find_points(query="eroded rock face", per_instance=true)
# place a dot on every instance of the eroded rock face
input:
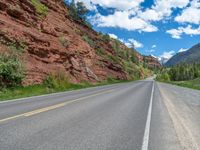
(53, 42)
(152, 62)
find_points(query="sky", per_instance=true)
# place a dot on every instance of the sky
(160, 28)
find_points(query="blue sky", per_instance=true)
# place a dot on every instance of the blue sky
(156, 27)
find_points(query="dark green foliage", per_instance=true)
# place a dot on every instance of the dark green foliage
(163, 77)
(11, 70)
(134, 58)
(182, 72)
(81, 9)
(78, 11)
(105, 37)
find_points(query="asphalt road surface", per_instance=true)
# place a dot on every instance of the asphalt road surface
(141, 115)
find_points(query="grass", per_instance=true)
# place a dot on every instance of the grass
(193, 84)
(35, 90)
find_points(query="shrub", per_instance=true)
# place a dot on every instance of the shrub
(40, 8)
(11, 70)
(78, 11)
(100, 51)
(57, 81)
(64, 41)
(106, 38)
(116, 46)
(114, 59)
(163, 77)
(87, 39)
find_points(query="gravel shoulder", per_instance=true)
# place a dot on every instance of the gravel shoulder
(183, 105)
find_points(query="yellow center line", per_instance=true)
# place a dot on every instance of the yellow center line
(31, 113)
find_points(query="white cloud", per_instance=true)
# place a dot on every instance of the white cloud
(182, 50)
(150, 15)
(113, 36)
(122, 19)
(166, 56)
(176, 33)
(151, 50)
(190, 14)
(162, 9)
(133, 42)
(117, 4)
(154, 46)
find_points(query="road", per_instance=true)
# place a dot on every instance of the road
(141, 115)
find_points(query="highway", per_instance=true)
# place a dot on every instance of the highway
(140, 115)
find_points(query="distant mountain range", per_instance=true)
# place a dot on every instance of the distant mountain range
(189, 56)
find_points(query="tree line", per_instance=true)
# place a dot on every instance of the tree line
(180, 72)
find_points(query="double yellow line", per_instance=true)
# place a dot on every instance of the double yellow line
(31, 113)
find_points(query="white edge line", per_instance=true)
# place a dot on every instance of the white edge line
(145, 143)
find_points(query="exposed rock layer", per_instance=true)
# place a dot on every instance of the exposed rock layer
(53, 42)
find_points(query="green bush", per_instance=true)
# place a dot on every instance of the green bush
(163, 77)
(114, 59)
(11, 70)
(57, 81)
(40, 8)
(100, 51)
(87, 39)
(106, 38)
(64, 41)
(78, 11)
(116, 46)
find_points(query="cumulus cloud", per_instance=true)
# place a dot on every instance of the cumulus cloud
(162, 9)
(190, 14)
(113, 36)
(176, 33)
(132, 16)
(122, 19)
(166, 56)
(154, 46)
(133, 42)
(117, 4)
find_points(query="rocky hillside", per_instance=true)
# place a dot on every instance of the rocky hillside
(189, 56)
(48, 40)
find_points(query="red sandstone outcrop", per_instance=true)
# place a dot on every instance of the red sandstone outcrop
(53, 42)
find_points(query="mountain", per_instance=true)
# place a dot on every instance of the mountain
(189, 56)
(49, 40)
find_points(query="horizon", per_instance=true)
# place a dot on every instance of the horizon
(151, 25)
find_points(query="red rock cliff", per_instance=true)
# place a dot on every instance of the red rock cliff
(53, 42)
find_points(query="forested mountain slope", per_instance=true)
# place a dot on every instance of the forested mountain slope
(190, 56)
